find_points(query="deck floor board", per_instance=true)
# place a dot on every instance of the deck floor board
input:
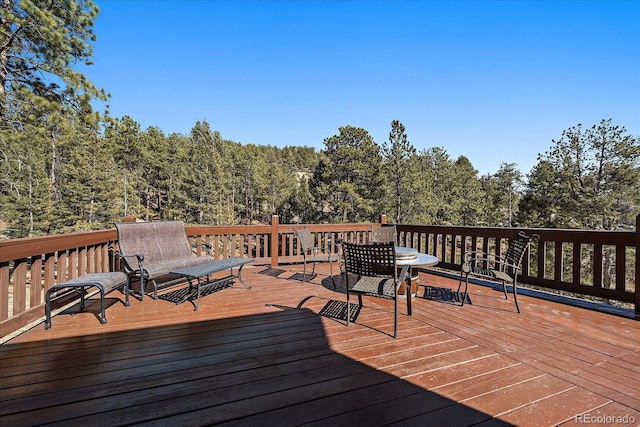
(280, 353)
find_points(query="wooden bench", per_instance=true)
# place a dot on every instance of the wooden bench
(159, 252)
(105, 282)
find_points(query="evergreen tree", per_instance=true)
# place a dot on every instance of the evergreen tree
(123, 139)
(397, 154)
(299, 206)
(507, 185)
(442, 172)
(201, 183)
(88, 184)
(175, 171)
(156, 173)
(467, 191)
(420, 185)
(538, 205)
(40, 43)
(24, 185)
(588, 179)
(349, 186)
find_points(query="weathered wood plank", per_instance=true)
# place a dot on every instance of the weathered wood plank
(266, 356)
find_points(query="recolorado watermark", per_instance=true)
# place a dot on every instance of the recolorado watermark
(605, 419)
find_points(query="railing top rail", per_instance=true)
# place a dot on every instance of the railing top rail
(605, 237)
(22, 248)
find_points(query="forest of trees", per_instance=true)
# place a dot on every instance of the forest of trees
(64, 166)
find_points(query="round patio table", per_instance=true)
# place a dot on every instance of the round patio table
(413, 258)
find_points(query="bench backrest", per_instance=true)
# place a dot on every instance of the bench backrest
(157, 241)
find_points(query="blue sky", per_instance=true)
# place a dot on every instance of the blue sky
(493, 81)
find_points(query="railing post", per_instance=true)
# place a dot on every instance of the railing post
(383, 219)
(275, 220)
(636, 289)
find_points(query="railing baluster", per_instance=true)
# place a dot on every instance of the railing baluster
(35, 287)
(4, 290)
(597, 265)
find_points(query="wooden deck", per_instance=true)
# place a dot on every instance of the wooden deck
(280, 354)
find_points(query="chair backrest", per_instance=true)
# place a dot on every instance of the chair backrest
(371, 259)
(384, 234)
(517, 247)
(159, 242)
(306, 239)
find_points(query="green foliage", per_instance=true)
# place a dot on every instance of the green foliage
(24, 185)
(504, 189)
(299, 206)
(397, 154)
(71, 177)
(41, 42)
(467, 190)
(588, 179)
(88, 186)
(349, 185)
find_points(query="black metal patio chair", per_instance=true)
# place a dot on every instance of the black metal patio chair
(313, 253)
(504, 269)
(374, 266)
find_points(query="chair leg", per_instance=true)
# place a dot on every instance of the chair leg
(304, 271)
(103, 320)
(82, 298)
(460, 282)
(47, 309)
(331, 273)
(395, 315)
(142, 286)
(348, 307)
(466, 288)
(504, 289)
(515, 296)
(126, 292)
(408, 292)
(155, 289)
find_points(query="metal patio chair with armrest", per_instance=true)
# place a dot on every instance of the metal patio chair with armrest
(384, 234)
(506, 268)
(375, 267)
(314, 254)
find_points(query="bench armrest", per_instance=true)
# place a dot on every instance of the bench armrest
(127, 265)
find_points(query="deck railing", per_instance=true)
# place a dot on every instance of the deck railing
(603, 264)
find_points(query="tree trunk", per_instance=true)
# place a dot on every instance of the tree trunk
(5, 29)
(54, 164)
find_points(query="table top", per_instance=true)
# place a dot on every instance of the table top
(410, 256)
(207, 268)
